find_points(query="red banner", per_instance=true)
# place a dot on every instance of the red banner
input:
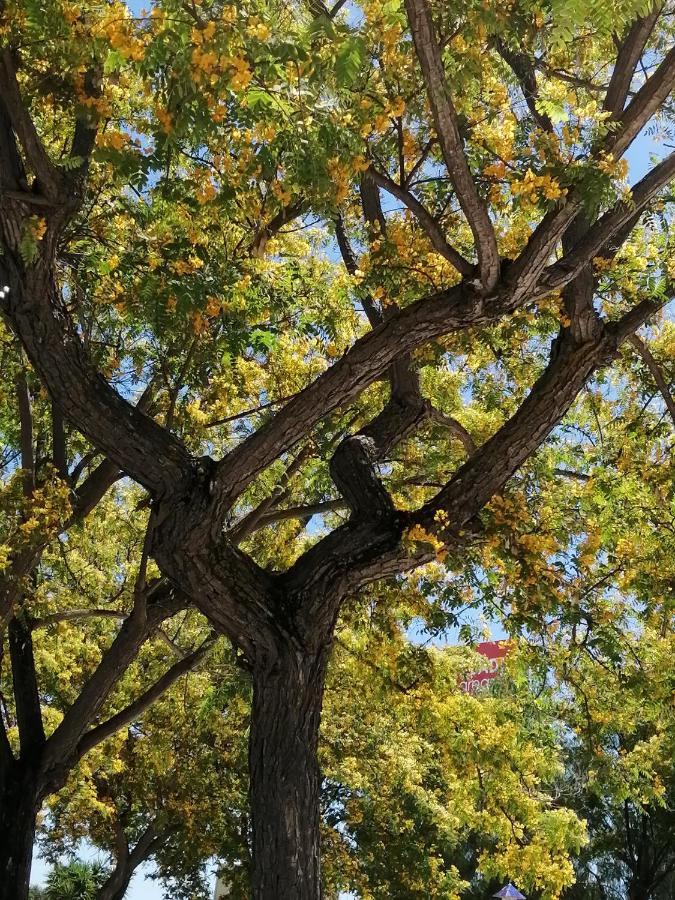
(494, 653)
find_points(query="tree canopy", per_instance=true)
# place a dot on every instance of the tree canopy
(357, 304)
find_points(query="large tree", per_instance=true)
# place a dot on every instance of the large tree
(149, 167)
(425, 788)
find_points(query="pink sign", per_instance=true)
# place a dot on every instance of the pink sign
(494, 653)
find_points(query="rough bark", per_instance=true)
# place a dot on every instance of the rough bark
(19, 805)
(285, 779)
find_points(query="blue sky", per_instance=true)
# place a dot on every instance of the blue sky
(142, 887)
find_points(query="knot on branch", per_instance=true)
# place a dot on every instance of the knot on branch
(352, 468)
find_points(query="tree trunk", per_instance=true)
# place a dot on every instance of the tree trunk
(19, 806)
(641, 888)
(116, 886)
(285, 779)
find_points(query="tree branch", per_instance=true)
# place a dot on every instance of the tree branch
(69, 615)
(162, 602)
(522, 67)
(627, 59)
(250, 522)
(135, 709)
(12, 172)
(525, 271)
(126, 861)
(26, 695)
(373, 314)
(302, 512)
(601, 233)
(426, 220)
(285, 215)
(92, 489)
(26, 432)
(455, 428)
(642, 107)
(655, 371)
(359, 552)
(84, 135)
(488, 470)
(23, 126)
(135, 442)
(59, 451)
(445, 120)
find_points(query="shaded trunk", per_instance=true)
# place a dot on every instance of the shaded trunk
(116, 886)
(643, 885)
(285, 778)
(19, 805)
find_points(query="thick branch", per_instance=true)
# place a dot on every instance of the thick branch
(445, 120)
(632, 320)
(84, 135)
(451, 310)
(26, 431)
(372, 207)
(250, 522)
(70, 615)
(627, 59)
(162, 602)
(302, 512)
(523, 68)
(456, 308)
(454, 427)
(285, 215)
(135, 442)
(25, 130)
(26, 695)
(12, 172)
(525, 271)
(578, 294)
(373, 314)
(360, 552)
(642, 107)
(608, 225)
(353, 465)
(126, 862)
(92, 489)
(488, 470)
(59, 451)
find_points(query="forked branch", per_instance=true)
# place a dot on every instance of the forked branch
(445, 120)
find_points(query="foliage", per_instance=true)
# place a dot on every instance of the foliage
(377, 388)
(75, 880)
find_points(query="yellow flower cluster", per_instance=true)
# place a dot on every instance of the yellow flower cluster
(339, 175)
(282, 194)
(205, 192)
(241, 78)
(615, 168)
(419, 535)
(258, 30)
(112, 138)
(117, 27)
(533, 187)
